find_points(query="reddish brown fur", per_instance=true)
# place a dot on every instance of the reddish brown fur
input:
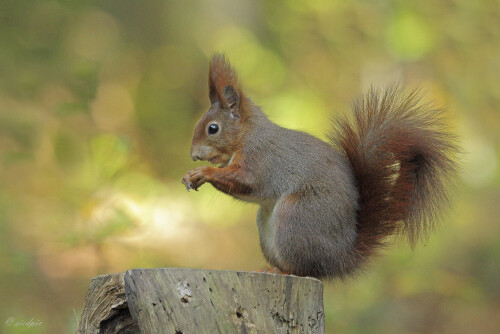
(229, 180)
(220, 75)
(388, 129)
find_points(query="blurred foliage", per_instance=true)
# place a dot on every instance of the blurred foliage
(98, 100)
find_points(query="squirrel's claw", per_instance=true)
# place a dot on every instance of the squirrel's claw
(187, 184)
(193, 179)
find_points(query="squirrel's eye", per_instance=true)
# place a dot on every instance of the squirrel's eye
(213, 129)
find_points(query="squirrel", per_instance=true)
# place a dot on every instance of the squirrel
(327, 208)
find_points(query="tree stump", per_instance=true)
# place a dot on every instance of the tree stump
(185, 301)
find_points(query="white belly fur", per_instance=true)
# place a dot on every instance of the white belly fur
(267, 230)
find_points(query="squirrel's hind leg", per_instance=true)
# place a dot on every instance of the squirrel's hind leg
(311, 238)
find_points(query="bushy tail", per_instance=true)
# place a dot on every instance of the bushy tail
(402, 158)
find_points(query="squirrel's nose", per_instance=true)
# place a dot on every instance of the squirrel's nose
(197, 152)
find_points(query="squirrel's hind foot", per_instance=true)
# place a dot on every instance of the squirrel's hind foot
(273, 270)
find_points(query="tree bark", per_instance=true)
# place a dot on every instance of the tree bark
(185, 301)
(106, 308)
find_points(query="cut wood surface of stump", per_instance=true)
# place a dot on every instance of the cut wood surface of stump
(185, 301)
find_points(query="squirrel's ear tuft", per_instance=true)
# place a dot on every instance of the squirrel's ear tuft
(223, 82)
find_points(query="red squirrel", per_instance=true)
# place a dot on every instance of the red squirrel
(326, 208)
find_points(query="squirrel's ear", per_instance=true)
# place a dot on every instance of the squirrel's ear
(212, 92)
(231, 96)
(223, 82)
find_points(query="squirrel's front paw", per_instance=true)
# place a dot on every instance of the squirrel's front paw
(194, 178)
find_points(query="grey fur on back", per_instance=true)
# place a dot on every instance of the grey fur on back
(316, 235)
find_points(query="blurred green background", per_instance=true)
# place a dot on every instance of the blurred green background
(98, 101)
